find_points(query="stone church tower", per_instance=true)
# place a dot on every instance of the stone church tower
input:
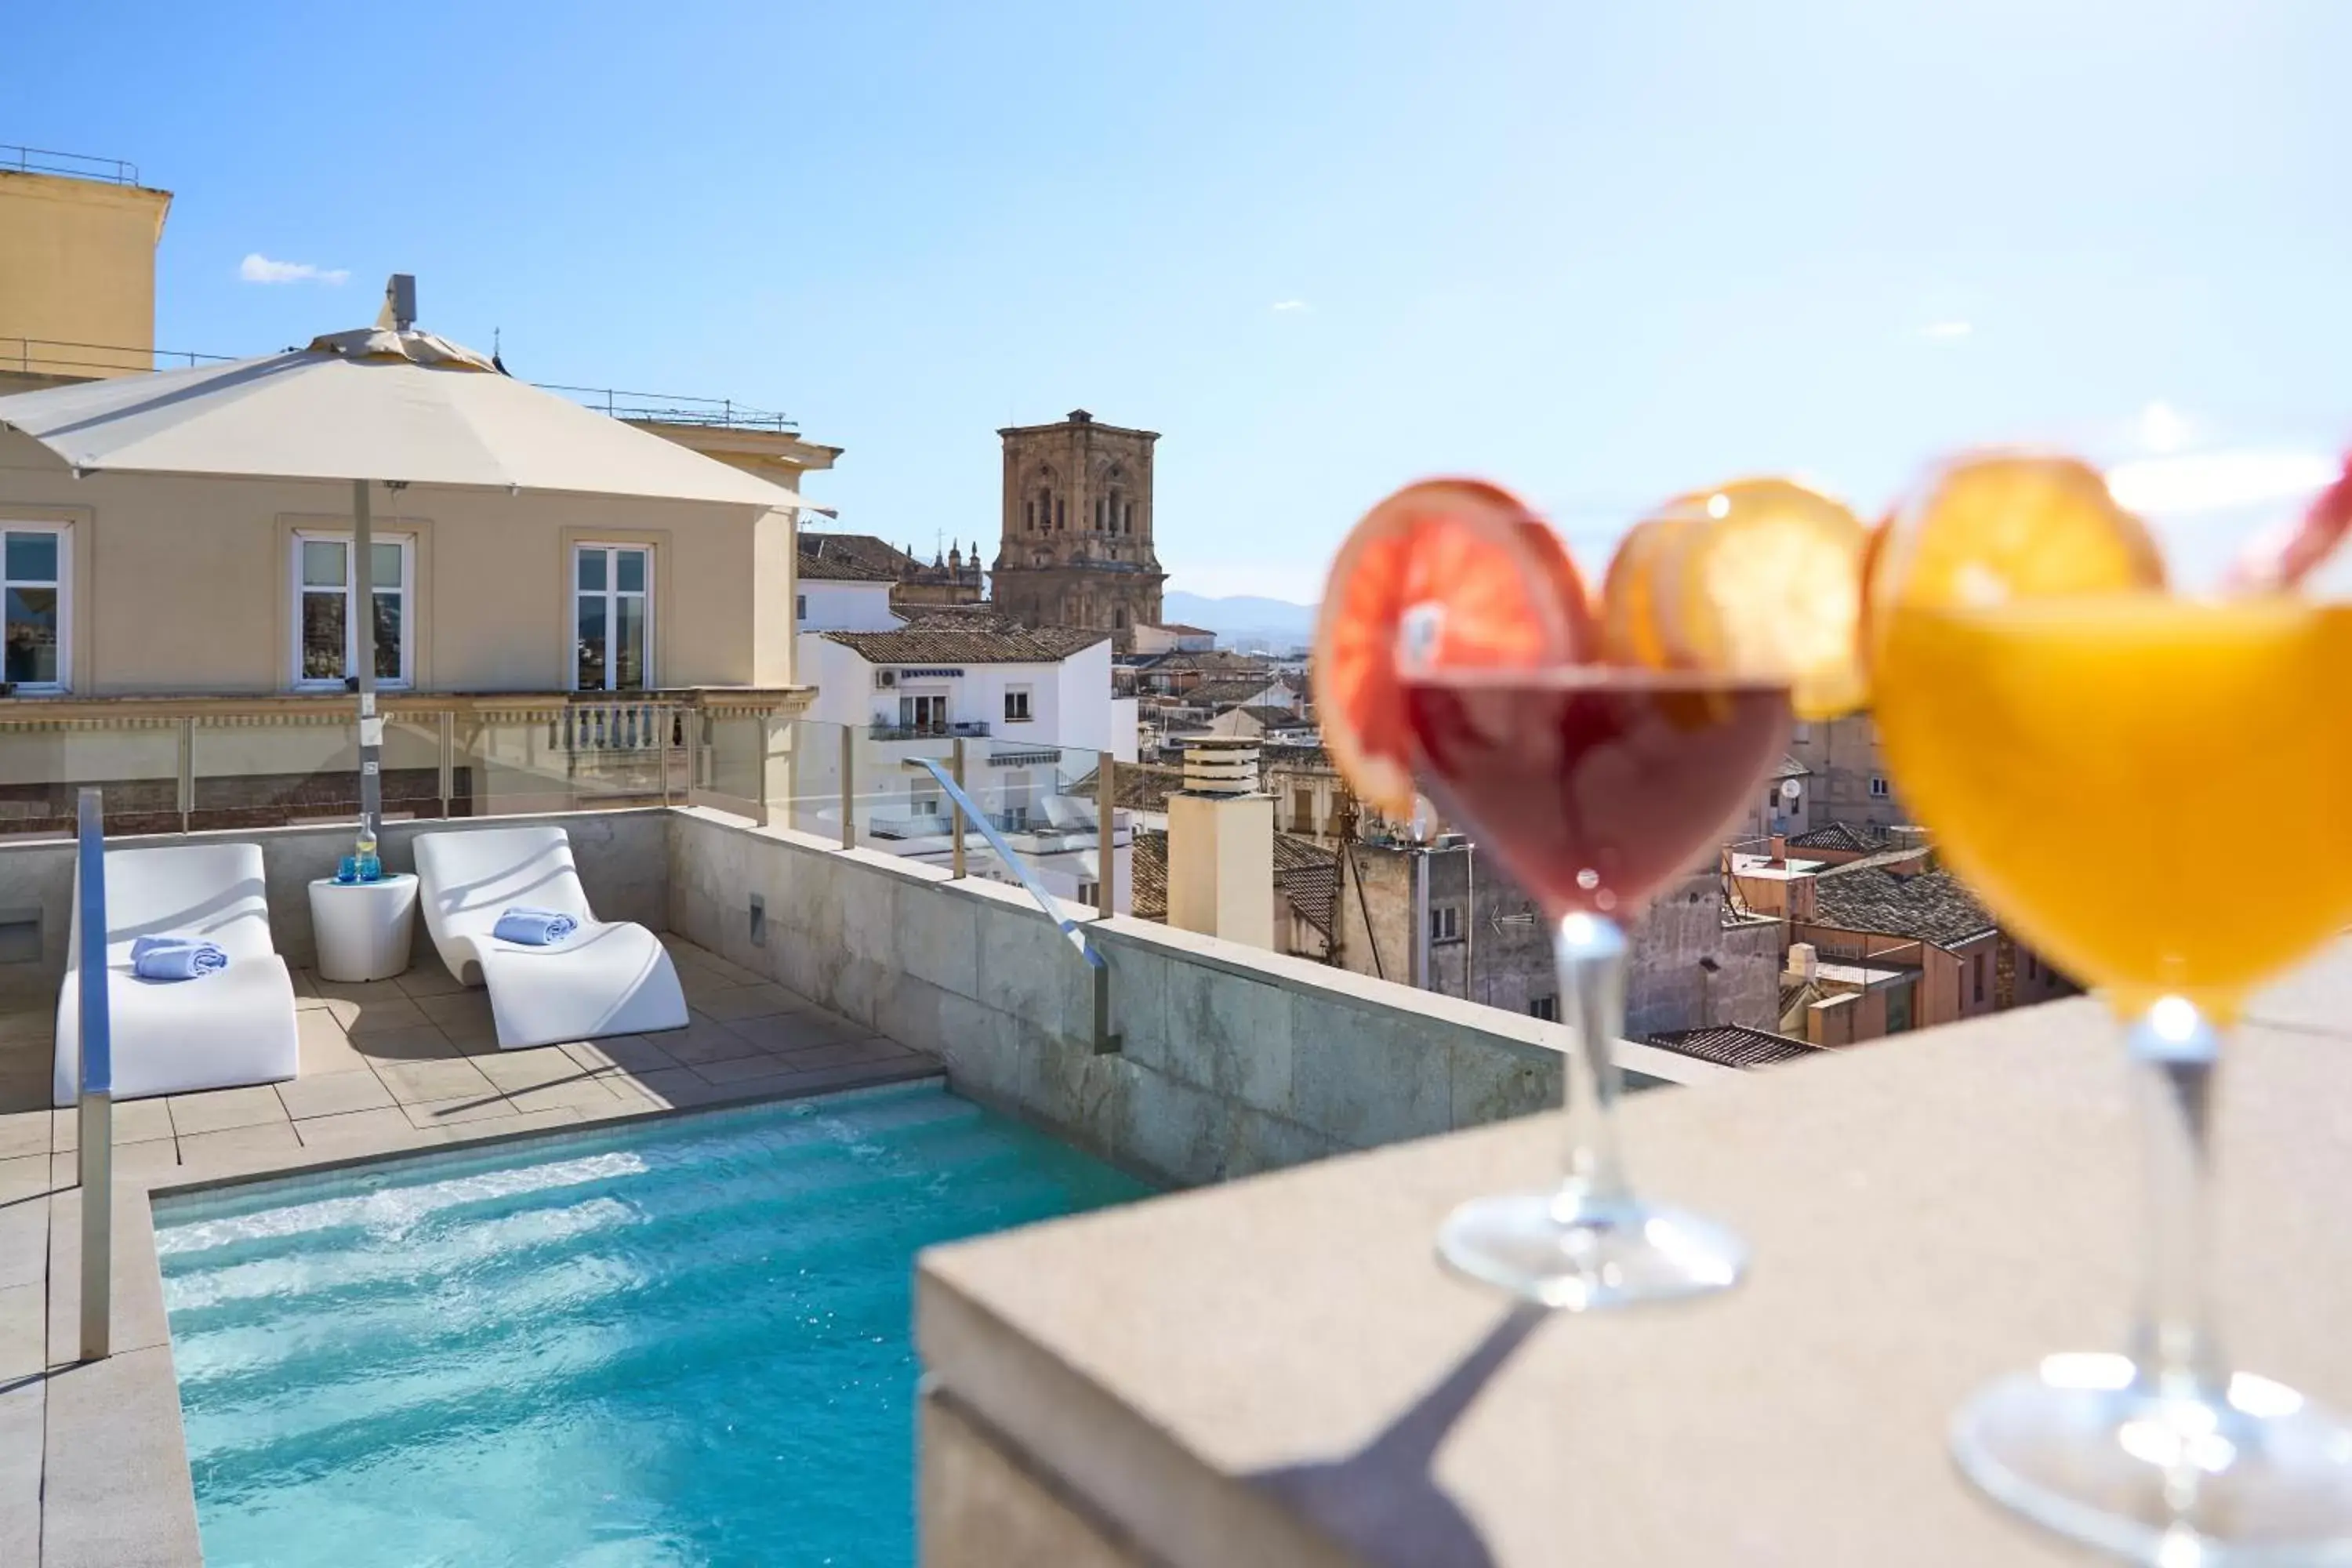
(1077, 550)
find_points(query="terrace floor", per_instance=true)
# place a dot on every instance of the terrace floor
(92, 1467)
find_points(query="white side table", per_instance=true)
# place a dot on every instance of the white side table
(363, 929)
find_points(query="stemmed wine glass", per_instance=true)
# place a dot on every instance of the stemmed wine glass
(2041, 686)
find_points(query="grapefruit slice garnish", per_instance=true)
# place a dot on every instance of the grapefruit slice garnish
(2278, 560)
(1770, 586)
(1997, 527)
(1446, 573)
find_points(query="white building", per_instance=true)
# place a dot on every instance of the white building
(1030, 710)
(841, 595)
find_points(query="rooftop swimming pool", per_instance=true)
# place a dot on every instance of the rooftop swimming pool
(680, 1344)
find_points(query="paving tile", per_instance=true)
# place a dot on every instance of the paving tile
(333, 1094)
(699, 982)
(24, 1332)
(676, 1087)
(628, 1099)
(427, 980)
(736, 1069)
(131, 1161)
(238, 1144)
(135, 1121)
(137, 1318)
(381, 1017)
(570, 1092)
(115, 1484)
(24, 1410)
(324, 1048)
(23, 1132)
(416, 1082)
(529, 1068)
(638, 1053)
(456, 1006)
(710, 962)
(747, 1002)
(366, 993)
(218, 1110)
(793, 1032)
(847, 1054)
(417, 1043)
(25, 1088)
(489, 1106)
(306, 987)
(388, 1127)
(703, 1040)
(23, 1243)
(28, 1176)
(526, 1122)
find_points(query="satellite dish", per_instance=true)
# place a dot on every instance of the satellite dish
(1788, 789)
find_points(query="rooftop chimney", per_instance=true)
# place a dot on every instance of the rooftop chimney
(1804, 960)
(1779, 848)
(1221, 845)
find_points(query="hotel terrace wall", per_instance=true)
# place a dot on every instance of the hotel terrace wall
(186, 585)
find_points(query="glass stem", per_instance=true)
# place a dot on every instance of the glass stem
(2174, 1051)
(1590, 952)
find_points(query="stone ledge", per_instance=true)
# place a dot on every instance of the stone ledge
(1220, 1371)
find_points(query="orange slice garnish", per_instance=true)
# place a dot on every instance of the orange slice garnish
(1630, 632)
(1759, 579)
(1446, 573)
(1997, 527)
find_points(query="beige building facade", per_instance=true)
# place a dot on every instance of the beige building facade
(166, 585)
(76, 276)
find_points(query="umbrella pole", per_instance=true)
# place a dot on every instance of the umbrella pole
(371, 727)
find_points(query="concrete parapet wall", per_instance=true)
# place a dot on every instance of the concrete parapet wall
(1233, 1060)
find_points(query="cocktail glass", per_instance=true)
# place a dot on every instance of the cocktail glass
(1596, 786)
(2023, 733)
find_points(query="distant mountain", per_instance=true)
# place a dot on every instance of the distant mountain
(1244, 619)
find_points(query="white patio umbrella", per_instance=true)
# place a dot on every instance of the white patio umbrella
(384, 405)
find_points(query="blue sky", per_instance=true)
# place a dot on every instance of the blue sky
(1599, 252)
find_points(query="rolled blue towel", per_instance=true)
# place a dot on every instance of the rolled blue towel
(174, 958)
(533, 928)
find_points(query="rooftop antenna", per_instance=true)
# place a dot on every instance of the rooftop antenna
(399, 313)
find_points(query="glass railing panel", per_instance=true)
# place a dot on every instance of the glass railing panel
(44, 762)
(265, 769)
(579, 756)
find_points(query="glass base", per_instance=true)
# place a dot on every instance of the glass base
(1579, 1253)
(2080, 1446)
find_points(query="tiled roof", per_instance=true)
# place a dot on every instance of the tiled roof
(1735, 1045)
(933, 641)
(861, 550)
(1213, 661)
(1273, 718)
(1926, 906)
(1185, 631)
(1308, 875)
(1841, 835)
(1296, 759)
(1142, 786)
(820, 565)
(1146, 868)
(1790, 768)
(1225, 693)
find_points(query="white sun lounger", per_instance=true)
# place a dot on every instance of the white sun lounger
(603, 979)
(218, 1031)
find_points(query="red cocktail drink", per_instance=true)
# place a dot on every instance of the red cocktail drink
(1595, 784)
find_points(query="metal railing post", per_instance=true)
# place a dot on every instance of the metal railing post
(187, 740)
(448, 733)
(956, 814)
(96, 1129)
(1106, 834)
(848, 786)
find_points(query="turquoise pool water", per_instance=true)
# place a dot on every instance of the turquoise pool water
(684, 1345)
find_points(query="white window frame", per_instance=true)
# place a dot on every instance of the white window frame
(1543, 1007)
(612, 594)
(800, 606)
(1028, 707)
(1446, 924)
(1879, 788)
(406, 543)
(63, 533)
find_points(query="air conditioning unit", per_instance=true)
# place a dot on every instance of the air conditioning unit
(885, 678)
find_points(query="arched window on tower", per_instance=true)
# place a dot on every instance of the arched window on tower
(1031, 522)
(1127, 519)
(1099, 514)
(1061, 524)
(1119, 618)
